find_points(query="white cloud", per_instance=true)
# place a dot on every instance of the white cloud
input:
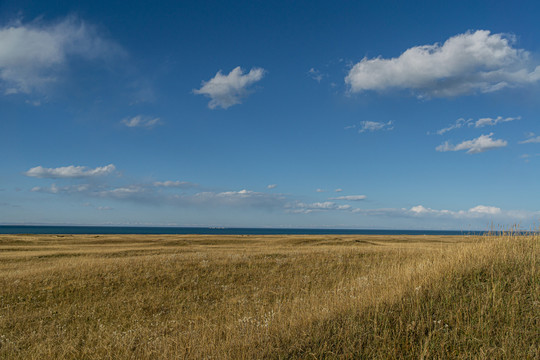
(375, 126)
(53, 189)
(481, 209)
(32, 55)
(458, 124)
(141, 121)
(240, 198)
(271, 186)
(490, 121)
(174, 184)
(124, 192)
(304, 208)
(465, 63)
(461, 122)
(350, 197)
(69, 172)
(320, 190)
(338, 190)
(228, 90)
(531, 139)
(420, 211)
(474, 146)
(152, 194)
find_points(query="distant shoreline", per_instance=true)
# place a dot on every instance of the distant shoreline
(142, 230)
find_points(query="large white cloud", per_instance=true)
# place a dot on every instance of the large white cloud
(474, 146)
(32, 55)
(228, 90)
(69, 171)
(465, 63)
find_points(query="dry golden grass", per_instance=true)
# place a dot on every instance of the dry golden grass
(283, 297)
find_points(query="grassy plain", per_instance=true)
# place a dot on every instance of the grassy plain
(280, 297)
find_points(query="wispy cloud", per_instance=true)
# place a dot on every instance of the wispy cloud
(349, 197)
(494, 121)
(315, 75)
(32, 55)
(527, 157)
(271, 186)
(152, 194)
(459, 123)
(54, 189)
(420, 211)
(464, 64)
(69, 172)
(239, 198)
(228, 90)
(306, 208)
(487, 121)
(174, 184)
(532, 138)
(141, 121)
(375, 126)
(474, 146)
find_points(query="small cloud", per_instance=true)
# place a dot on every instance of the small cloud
(338, 190)
(375, 126)
(481, 209)
(315, 75)
(458, 124)
(228, 90)
(35, 103)
(304, 208)
(320, 190)
(419, 209)
(491, 122)
(174, 184)
(466, 63)
(350, 197)
(481, 212)
(238, 198)
(104, 208)
(474, 146)
(271, 186)
(527, 157)
(531, 139)
(69, 172)
(141, 121)
(461, 122)
(70, 189)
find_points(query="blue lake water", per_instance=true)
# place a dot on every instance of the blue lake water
(15, 229)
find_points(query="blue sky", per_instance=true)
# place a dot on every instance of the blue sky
(390, 115)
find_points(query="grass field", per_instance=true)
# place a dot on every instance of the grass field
(278, 297)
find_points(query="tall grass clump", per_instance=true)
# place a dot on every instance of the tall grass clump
(276, 297)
